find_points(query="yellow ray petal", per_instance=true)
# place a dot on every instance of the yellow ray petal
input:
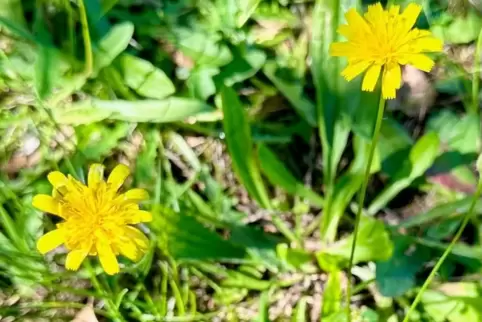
(129, 249)
(118, 176)
(342, 49)
(57, 179)
(50, 240)
(75, 258)
(137, 236)
(391, 80)
(48, 204)
(107, 257)
(355, 69)
(96, 175)
(371, 78)
(426, 44)
(138, 217)
(420, 61)
(136, 195)
(410, 16)
(357, 26)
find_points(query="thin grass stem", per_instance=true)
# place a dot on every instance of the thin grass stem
(361, 198)
(447, 251)
(89, 61)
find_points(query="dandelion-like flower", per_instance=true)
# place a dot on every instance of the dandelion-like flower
(97, 219)
(380, 42)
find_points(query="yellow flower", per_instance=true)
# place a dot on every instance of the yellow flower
(380, 42)
(96, 218)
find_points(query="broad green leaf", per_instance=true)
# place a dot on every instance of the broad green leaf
(293, 91)
(373, 244)
(397, 275)
(450, 209)
(280, 176)
(394, 144)
(144, 78)
(245, 9)
(454, 302)
(204, 49)
(156, 111)
(240, 146)
(345, 188)
(333, 94)
(421, 157)
(332, 294)
(459, 29)
(247, 61)
(11, 10)
(200, 82)
(112, 45)
(183, 237)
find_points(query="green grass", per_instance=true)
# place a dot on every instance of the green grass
(234, 117)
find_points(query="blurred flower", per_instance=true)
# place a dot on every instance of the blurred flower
(380, 42)
(96, 218)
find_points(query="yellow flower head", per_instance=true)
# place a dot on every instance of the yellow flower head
(96, 218)
(384, 40)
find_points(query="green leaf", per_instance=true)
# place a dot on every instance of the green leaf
(112, 45)
(332, 294)
(200, 82)
(299, 315)
(171, 109)
(183, 237)
(245, 9)
(204, 49)
(239, 141)
(454, 302)
(461, 29)
(393, 145)
(263, 315)
(293, 91)
(421, 157)
(280, 176)
(12, 10)
(449, 209)
(241, 280)
(247, 61)
(397, 275)
(373, 244)
(144, 78)
(333, 93)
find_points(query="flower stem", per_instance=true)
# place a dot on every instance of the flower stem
(87, 42)
(447, 251)
(361, 198)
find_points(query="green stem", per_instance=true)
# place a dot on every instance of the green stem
(361, 198)
(476, 75)
(447, 251)
(86, 35)
(109, 303)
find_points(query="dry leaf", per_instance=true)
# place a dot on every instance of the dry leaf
(85, 315)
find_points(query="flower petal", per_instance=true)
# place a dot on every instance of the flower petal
(138, 216)
(129, 249)
(341, 49)
(96, 175)
(355, 69)
(136, 195)
(50, 241)
(420, 61)
(371, 78)
(137, 236)
(391, 80)
(47, 203)
(57, 179)
(410, 16)
(118, 176)
(107, 257)
(75, 258)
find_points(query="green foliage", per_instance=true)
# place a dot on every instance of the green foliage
(252, 146)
